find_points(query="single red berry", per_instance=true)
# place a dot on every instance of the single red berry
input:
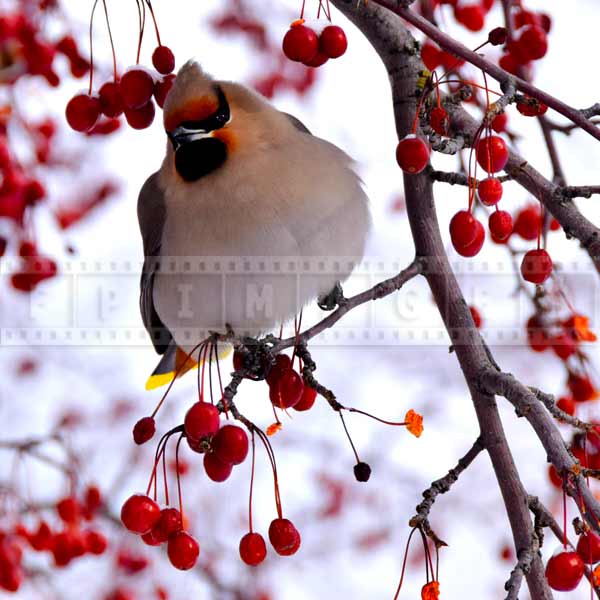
(530, 107)
(253, 549)
(476, 317)
(144, 430)
(34, 191)
(472, 16)
(201, 420)
(412, 154)
(581, 388)
(300, 43)
(136, 87)
(492, 153)
(95, 542)
(439, 120)
(497, 36)
(509, 63)
(536, 266)
(564, 571)
(163, 60)
(537, 336)
(332, 41)
(284, 537)
(309, 395)
(183, 550)
(490, 191)
(151, 539)
(68, 510)
(533, 42)
(564, 346)
(430, 55)
(528, 222)
(42, 539)
(282, 364)
(110, 99)
(463, 228)
(230, 444)
(162, 87)
(168, 523)
(291, 387)
(475, 246)
(27, 248)
(499, 122)
(318, 60)
(216, 469)
(82, 112)
(140, 118)
(140, 513)
(588, 547)
(567, 404)
(500, 224)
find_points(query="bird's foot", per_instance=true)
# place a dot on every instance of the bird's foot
(332, 299)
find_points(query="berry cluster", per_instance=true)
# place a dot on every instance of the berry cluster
(132, 95)
(303, 44)
(69, 542)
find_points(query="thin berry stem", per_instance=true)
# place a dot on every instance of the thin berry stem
(112, 45)
(404, 563)
(154, 21)
(91, 84)
(348, 436)
(251, 482)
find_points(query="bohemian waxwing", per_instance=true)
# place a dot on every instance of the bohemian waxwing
(240, 180)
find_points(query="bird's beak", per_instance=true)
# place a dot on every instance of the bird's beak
(182, 135)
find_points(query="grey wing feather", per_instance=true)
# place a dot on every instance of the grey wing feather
(151, 216)
(297, 123)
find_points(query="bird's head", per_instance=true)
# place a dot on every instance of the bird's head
(196, 114)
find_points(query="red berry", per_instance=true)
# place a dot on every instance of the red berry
(536, 266)
(475, 246)
(216, 469)
(183, 550)
(201, 420)
(68, 510)
(284, 537)
(463, 228)
(471, 16)
(253, 549)
(318, 60)
(564, 571)
(136, 87)
(497, 36)
(499, 122)
(412, 154)
(332, 41)
(430, 55)
(530, 107)
(110, 99)
(564, 346)
(476, 317)
(536, 335)
(162, 87)
(581, 388)
(533, 42)
(492, 153)
(588, 547)
(555, 478)
(528, 222)
(95, 542)
(439, 120)
(151, 539)
(230, 445)
(309, 395)
(140, 118)
(140, 513)
(168, 523)
(500, 225)
(42, 539)
(82, 112)
(163, 60)
(490, 191)
(300, 44)
(282, 364)
(144, 430)
(288, 391)
(567, 404)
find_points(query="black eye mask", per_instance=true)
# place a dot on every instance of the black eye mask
(200, 157)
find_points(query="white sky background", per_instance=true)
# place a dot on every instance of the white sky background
(351, 107)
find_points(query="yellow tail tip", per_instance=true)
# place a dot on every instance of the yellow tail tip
(156, 381)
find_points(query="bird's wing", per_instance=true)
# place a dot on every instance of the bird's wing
(297, 123)
(151, 216)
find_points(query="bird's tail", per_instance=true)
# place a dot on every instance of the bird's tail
(175, 363)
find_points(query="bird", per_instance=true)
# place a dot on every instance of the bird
(241, 181)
